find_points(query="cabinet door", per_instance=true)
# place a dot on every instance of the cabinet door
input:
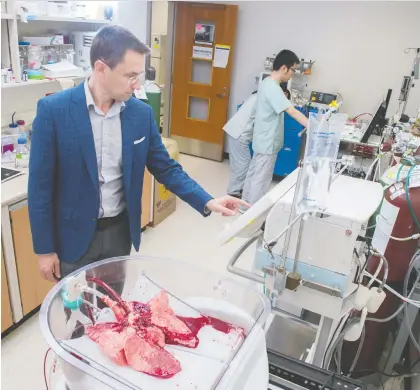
(33, 287)
(6, 310)
(146, 199)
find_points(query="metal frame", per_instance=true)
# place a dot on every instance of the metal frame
(167, 91)
(403, 333)
(326, 324)
(10, 261)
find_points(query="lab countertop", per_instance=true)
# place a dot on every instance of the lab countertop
(15, 189)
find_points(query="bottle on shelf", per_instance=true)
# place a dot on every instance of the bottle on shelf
(22, 153)
(22, 127)
(9, 75)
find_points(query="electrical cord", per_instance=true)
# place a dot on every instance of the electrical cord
(358, 116)
(413, 237)
(340, 325)
(375, 275)
(45, 368)
(383, 262)
(329, 379)
(373, 371)
(330, 351)
(359, 350)
(404, 299)
(415, 364)
(398, 311)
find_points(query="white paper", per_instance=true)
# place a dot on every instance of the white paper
(202, 53)
(384, 225)
(140, 93)
(414, 180)
(221, 56)
(397, 194)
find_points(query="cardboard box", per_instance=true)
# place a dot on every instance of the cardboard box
(164, 201)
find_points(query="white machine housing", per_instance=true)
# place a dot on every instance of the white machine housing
(82, 41)
(326, 261)
(328, 240)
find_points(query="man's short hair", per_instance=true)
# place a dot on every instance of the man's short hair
(286, 58)
(112, 42)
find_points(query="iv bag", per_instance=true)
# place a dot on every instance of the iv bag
(318, 170)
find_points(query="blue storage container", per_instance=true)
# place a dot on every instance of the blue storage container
(288, 157)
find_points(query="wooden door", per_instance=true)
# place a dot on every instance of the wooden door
(204, 37)
(33, 287)
(6, 310)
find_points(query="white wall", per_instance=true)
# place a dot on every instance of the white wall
(133, 15)
(358, 47)
(160, 17)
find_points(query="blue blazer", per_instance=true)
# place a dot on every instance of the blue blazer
(63, 193)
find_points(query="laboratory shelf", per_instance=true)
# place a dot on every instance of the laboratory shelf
(67, 20)
(26, 83)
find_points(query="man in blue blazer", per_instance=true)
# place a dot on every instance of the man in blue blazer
(89, 150)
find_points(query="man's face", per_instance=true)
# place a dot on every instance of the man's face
(288, 73)
(121, 81)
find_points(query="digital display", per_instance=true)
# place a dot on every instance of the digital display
(322, 98)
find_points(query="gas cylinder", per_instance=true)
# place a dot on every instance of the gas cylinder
(395, 219)
(396, 172)
(154, 99)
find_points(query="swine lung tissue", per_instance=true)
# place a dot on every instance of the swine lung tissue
(139, 335)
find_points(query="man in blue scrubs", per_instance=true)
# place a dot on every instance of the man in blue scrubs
(269, 126)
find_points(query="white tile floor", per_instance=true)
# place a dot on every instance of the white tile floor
(185, 235)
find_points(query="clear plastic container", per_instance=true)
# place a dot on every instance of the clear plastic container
(34, 57)
(188, 288)
(22, 153)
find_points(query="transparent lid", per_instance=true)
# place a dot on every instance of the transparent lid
(222, 316)
(250, 222)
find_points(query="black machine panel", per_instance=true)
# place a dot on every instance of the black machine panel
(322, 98)
(287, 373)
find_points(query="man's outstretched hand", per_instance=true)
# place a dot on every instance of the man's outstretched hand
(226, 205)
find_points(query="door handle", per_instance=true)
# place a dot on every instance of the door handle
(223, 94)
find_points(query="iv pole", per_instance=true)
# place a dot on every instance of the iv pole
(408, 80)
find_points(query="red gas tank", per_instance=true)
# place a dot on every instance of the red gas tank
(396, 220)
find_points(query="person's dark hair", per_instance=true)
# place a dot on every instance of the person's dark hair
(112, 42)
(287, 58)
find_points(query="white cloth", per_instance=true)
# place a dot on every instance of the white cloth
(239, 159)
(107, 136)
(242, 123)
(259, 176)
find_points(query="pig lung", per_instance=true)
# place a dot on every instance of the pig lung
(111, 337)
(138, 337)
(175, 330)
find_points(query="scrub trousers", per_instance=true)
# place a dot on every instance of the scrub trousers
(239, 158)
(259, 176)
